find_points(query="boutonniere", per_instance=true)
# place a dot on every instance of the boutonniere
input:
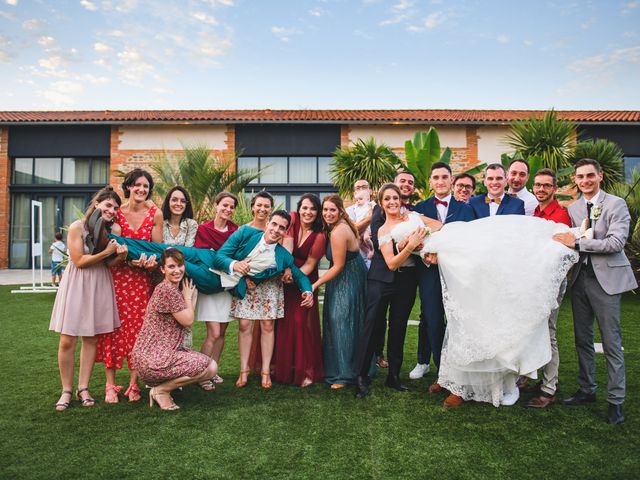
(595, 212)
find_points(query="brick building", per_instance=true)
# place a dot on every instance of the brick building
(61, 158)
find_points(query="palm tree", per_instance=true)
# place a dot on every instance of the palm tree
(366, 160)
(551, 139)
(608, 154)
(202, 174)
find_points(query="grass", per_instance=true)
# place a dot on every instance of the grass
(288, 432)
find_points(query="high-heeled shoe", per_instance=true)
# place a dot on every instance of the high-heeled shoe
(242, 382)
(266, 380)
(61, 406)
(133, 392)
(111, 393)
(86, 401)
(152, 398)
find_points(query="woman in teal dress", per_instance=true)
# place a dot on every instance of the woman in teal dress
(344, 296)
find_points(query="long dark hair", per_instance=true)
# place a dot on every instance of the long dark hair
(188, 210)
(100, 196)
(315, 200)
(130, 180)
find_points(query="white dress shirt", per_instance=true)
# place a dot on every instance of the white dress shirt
(442, 210)
(529, 199)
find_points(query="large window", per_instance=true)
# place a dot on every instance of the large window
(57, 170)
(630, 164)
(287, 178)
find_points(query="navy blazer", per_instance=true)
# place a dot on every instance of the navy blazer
(240, 244)
(457, 212)
(509, 206)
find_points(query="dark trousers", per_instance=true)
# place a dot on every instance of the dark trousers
(398, 297)
(432, 325)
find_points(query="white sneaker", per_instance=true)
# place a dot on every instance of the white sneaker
(419, 371)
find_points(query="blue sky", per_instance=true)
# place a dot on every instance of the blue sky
(236, 54)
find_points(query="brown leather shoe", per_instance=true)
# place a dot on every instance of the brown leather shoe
(453, 401)
(541, 401)
(435, 388)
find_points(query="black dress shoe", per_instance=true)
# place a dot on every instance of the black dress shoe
(580, 398)
(395, 383)
(614, 414)
(362, 386)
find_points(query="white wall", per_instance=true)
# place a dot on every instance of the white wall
(172, 137)
(395, 135)
(490, 143)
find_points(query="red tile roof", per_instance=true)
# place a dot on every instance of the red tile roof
(310, 116)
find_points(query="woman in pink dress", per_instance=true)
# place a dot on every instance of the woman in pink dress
(213, 309)
(159, 354)
(298, 350)
(85, 303)
(140, 219)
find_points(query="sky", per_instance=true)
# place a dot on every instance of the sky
(319, 54)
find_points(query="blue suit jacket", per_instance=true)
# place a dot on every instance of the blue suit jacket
(509, 206)
(457, 212)
(240, 244)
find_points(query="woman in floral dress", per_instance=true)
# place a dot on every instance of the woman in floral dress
(138, 218)
(159, 355)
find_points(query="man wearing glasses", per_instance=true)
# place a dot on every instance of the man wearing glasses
(544, 188)
(464, 185)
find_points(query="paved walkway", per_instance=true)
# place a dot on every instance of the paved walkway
(10, 276)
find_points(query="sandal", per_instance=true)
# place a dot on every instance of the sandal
(243, 378)
(86, 401)
(133, 392)
(207, 385)
(111, 393)
(217, 379)
(266, 380)
(307, 382)
(61, 406)
(337, 386)
(153, 397)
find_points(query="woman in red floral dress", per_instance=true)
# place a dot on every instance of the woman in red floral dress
(139, 219)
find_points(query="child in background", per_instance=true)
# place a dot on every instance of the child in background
(363, 207)
(56, 250)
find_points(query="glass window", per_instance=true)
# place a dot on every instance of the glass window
(293, 202)
(302, 170)
(100, 171)
(75, 170)
(20, 230)
(49, 214)
(72, 209)
(323, 169)
(22, 170)
(273, 169)
(631, 163)
(47, 170)
(249, 163)
(279, 202)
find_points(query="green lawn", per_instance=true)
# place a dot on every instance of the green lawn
(292, 433)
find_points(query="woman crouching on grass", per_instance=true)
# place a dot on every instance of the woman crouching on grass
(85, 304)
(158, 355)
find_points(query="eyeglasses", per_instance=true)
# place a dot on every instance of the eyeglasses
(546, 186)
(361, 187)
(463, 186)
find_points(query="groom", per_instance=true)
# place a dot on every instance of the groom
(600, 277)
(445, 208)
(495, 202)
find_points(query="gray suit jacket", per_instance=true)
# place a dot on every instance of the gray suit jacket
(610, 231)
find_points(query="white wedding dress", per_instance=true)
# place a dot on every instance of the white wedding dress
(500, 280)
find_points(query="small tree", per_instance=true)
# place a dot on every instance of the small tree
(202, 174)
(551, 139)
(367, 160)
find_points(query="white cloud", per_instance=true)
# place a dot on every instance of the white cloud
(134, 66)
(101, 48)
(628, 7)
(503, 38)
(13, 3)
(213, 47)
(53, 62)
(204, 18)
(122, 6)
(6, 54)
(434, 19)
(32, 24)
(224, 3)
(88, 5)
(62, 93)
(116, 33)
(284, 34)
(528, 42)
(605, 60)
(315, 12)
(587, 24)
(401, 11)
(46, 41)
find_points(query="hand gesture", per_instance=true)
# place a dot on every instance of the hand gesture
(112, 247)
(188, 289)
(307, 300)
(122, 251)
(416, 237)
(287, 276)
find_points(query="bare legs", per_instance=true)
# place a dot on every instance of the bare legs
(66, 364)
(214, 342)
(245, 327)
(162, 393)
(266, 344)
(111, 391)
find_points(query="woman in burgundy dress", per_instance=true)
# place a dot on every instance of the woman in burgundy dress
(138, 218)
(298, 351)
(214, 308)
(159, 355)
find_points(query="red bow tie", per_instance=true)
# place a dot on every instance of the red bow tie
(440, 202)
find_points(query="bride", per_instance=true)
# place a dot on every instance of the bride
(500, 279)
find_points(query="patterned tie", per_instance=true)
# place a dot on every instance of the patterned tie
(437, 202)
(488, 200)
